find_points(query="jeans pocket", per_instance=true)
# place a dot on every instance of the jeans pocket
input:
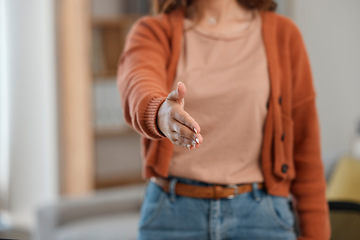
(151, 206)
(281, 212)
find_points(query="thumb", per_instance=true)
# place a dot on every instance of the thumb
(178, 94)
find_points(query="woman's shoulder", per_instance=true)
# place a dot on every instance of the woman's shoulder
(281, 24)
(160, 20)
(162, 23)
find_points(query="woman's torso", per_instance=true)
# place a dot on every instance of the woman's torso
(227, 91)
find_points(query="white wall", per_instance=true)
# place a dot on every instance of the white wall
(32, 76)
(331, 30)
(4, 117)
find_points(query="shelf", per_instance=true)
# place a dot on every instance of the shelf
(120, 181)
(96, 41)
(119, 22)
(114, 132)
(105, 76)
(108, 42)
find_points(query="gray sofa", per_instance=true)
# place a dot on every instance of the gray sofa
(105, 215)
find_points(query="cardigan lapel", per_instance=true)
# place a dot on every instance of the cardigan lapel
(271, 47)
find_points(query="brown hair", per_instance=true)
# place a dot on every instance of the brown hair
(166, 6)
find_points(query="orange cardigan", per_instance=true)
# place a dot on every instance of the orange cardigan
(291, 155)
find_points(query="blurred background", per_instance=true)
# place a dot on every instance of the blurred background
(69, 166)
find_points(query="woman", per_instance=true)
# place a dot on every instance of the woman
(222, 95)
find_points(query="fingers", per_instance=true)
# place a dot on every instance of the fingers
(178, 94)
(185, 119)
(181, 89)
(183, 130)
(179, 140)
(175, 123)
(183, 136)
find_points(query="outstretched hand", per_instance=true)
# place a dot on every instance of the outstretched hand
(175, 123)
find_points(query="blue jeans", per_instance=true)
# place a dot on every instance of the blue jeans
(254, 215)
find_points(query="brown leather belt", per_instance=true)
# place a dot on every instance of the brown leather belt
(212, 192)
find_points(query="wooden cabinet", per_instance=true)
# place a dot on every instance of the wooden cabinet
(108, 41)
(97, 149)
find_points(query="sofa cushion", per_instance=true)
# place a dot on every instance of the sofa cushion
(108, 227)
(344, 182)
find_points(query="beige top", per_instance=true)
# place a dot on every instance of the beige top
(228, 88)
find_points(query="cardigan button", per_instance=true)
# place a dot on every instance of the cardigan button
(283, 137)
(284, 168)
(267, 105)
(280, 100)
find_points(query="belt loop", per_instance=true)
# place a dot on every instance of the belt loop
(172, 186)
(256, 192)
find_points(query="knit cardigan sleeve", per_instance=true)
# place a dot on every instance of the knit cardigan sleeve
(308, 188)
(142, 76)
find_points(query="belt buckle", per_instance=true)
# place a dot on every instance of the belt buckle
(236, 190)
